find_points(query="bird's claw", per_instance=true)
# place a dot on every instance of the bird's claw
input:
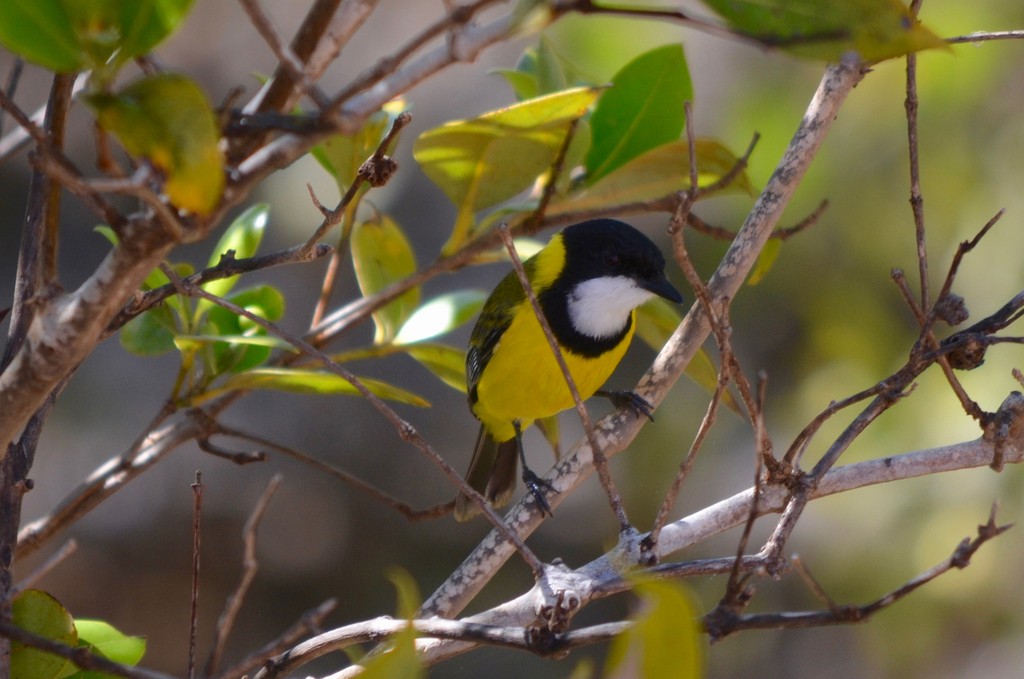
(536, 485)
(632, 400)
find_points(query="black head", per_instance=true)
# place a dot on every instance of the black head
(608, 247)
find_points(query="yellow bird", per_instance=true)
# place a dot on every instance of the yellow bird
(589, 279)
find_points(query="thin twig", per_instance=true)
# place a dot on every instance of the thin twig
(375, 171)
(54, 560)
(285, 56)
(193, 618)
(250, 564)
(722, 622)
(312, 621)
(916, 199)
(406, 510)
(227, 267)
(984, 36)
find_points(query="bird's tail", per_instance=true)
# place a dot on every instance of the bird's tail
(492, 472)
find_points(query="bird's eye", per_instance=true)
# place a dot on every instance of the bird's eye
(612, 260)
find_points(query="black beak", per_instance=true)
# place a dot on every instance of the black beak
(662, 288)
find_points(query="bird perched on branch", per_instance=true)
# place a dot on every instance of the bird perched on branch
(588, 279)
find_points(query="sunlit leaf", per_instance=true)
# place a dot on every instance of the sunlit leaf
(166, 119)
(247, 340)
(642, 110)
(658, 173)
(480, 162)
(440, 315)
(37, 612)
(307, 381)
(665, 639)
(243, 237)
(824, 29)
(103, 638)
(448, 363)
(382, 255)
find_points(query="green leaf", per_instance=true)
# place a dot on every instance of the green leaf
(827, 30)
(151, 333)
(540, 70)
(664, 640)
(658, 173)
(440, 315)
(306, 381)
(66, 36)
(143, 25)
(448, 363)
(106, 640)
(481, 162)
(37, 612)
(243, 236)
(643, 109)
(264, 301)
(765, 260)
(41, 31)
(382, 255)
(166, 119)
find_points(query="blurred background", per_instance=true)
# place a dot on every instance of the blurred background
(825, 323)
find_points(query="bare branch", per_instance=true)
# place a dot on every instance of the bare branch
(250, 564)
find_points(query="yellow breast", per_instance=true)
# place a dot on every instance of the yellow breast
(522, 380)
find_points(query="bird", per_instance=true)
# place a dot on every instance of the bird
(588, 280)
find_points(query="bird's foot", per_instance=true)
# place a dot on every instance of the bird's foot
(630, 399)
(536, 485)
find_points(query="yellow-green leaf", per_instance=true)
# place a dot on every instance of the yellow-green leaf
(448, 363)
(440, 315)
(480, 162)
(825, 29)
(37, 612)
(664, 640)
(658, 173)
(656, 320)
(307, 381)
(765, 261)
(381, 255)
(166, 119)
(106, 640)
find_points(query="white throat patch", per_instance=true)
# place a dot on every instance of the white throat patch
(600, 307)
